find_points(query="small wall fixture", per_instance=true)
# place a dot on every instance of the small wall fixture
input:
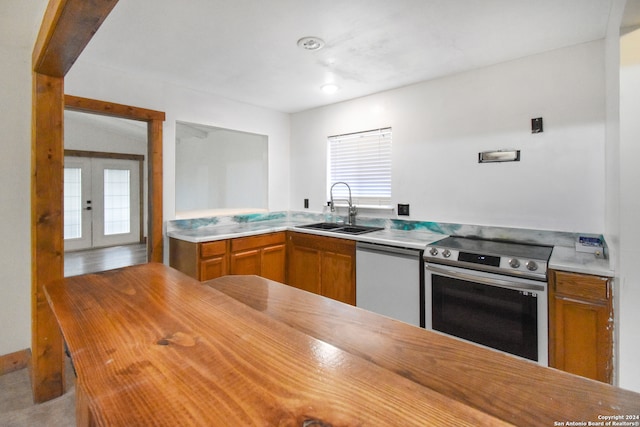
(499, 156)
(536, 125)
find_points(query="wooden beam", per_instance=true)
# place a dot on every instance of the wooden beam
(154, 119)
(47, 263)
(104, 155)
(155, 244)
(66, 29)
(94, 106)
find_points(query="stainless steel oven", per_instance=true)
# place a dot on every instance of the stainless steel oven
(490, 293)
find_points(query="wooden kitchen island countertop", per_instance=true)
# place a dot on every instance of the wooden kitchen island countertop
(152, 346)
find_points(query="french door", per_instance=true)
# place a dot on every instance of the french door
(101, 202)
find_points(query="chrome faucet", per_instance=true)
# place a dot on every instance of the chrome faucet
(352, 209)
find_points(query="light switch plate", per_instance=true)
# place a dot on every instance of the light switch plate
(536, 125)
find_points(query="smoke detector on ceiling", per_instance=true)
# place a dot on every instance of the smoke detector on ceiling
(310, 43)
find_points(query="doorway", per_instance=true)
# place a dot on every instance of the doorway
(102, 201)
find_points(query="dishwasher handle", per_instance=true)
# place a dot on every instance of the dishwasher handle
(388, 250)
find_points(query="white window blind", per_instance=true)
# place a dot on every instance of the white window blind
(362, 160)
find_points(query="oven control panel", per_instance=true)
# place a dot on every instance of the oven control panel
(511, 265)
(444, 253)
(524, 265)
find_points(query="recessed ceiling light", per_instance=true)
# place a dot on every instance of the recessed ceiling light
(311, 43)
(329, 88)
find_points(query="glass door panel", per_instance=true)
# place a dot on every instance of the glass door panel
(77, 203)
(101, 202)
(72, 203)
(117, 197)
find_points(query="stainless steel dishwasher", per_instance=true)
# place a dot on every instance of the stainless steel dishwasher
(390, 281)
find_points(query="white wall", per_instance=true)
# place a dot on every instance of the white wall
(91, 132)
(19, 23)
(181, 104)
(440, 126)
(629, 272)
(223, 170)
(612, 162)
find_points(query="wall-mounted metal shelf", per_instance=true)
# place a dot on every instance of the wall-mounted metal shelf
(499, 156)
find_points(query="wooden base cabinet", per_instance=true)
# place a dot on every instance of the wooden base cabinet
(202, 261)
(263, 255)
(322, 265)
(581, 325)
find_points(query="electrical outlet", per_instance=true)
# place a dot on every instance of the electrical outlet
(536, 125)
(403, 209)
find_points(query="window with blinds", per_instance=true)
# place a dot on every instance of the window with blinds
(362, 160)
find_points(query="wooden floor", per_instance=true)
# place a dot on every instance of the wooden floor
(102, 259)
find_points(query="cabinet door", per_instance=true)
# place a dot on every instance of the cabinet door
(338, 277)
(323, 265)
(304, 268)
(213, 267)
(213, 260)
(273, 263)
(246, 262)
(202, 261)
(580, 322)
(263, 255)
(582, 344)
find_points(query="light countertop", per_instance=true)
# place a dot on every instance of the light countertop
(562, 258)
(566, 258)
(415, 239)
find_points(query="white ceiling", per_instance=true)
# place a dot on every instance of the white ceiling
(246, 49)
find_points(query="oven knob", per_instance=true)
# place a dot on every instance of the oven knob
(446, 253)
(433, 251)
(514, 262)
(531, 265)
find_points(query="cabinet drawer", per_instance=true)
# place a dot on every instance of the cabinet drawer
(210, 249)
(582, 286)
(260, 241)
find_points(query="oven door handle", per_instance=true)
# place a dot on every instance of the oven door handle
(485, 280)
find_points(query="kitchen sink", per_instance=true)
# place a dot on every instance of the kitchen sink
(322, 226)
(357, 229)
(339, 228)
